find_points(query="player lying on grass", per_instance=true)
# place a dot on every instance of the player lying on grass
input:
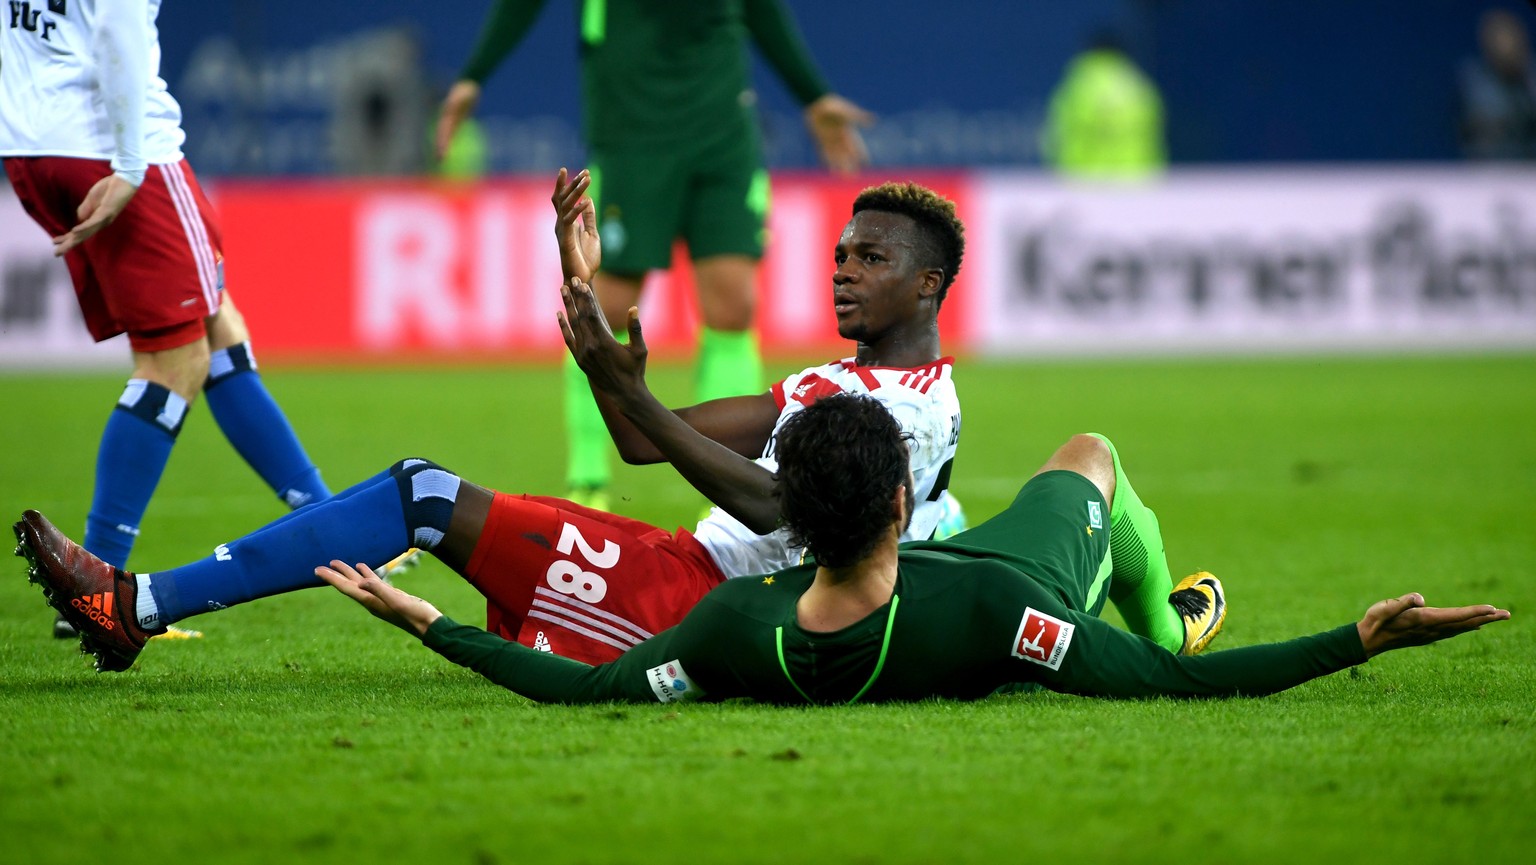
(1014, 600)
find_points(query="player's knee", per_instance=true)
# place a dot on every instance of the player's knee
(1086, 454)
(1094, 452)
(728, 309)
(730, 318)
(428, 493)
(1093, 447)
(727, 290)
(1095, 457)
(182, 369)
(227, 326)
(194, 368)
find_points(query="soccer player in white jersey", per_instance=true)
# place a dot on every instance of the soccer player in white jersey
(91, 142)
(557, 576)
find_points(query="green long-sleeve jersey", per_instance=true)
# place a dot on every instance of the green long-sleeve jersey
(655, 71)
(958, 626)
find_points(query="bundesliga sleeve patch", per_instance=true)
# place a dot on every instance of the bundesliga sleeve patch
(1042, 639)
(670, 683)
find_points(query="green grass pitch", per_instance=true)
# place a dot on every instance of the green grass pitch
(302, 730)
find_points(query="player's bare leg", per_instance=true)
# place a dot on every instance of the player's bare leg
(180, 370)
(729, 363)
(470, 511)
(1089, 456)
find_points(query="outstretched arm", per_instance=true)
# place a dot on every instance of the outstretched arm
(536, 675)
(710, 457)
(1098, 659)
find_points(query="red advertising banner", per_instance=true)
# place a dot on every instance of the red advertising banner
(421, 270)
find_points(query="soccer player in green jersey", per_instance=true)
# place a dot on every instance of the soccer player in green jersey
(675, 153)
(1013, 600)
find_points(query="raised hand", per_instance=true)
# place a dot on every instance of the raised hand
(581, 251)
(1397, 623)
(611, 366)
(105, 200)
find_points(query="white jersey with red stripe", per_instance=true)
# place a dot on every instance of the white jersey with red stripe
(923, 401)
(81, 78)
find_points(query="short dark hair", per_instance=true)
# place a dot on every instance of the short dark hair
(942, 232)
(840, 461)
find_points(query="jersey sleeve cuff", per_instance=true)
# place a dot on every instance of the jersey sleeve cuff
(437, 631)
(134, 177)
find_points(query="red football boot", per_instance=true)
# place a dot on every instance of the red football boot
(98, 599)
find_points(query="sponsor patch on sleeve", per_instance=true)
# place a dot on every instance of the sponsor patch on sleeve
(1042, 639)
(670, 683)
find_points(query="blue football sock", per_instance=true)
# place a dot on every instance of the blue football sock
(367, 526)
(134, 448)
(375, 522)
(257, 427)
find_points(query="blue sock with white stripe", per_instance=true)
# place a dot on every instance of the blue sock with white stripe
(373, 523)
(257, 427)
(134, 448)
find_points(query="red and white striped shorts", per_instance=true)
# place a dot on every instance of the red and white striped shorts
(156, 272)
(584, 583)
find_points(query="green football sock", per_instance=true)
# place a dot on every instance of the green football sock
(587, 441)
(1139, 581)
(729, 364)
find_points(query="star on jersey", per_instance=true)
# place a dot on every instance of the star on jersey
(768, 581)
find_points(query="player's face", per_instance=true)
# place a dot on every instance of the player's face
(878, 287)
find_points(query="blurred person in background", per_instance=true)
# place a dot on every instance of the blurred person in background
(91, 142)
(1498, 92)
(1105, 118)
(675, 152)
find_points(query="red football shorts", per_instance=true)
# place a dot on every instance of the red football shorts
(584, 583)
(154, 273)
